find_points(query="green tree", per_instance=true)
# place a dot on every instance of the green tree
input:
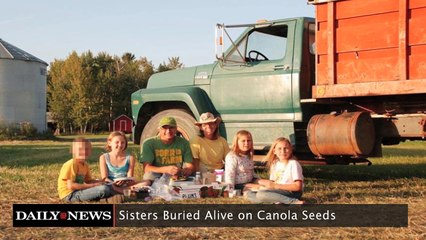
(89, 91)
(130, 77)
(146, 69)
(80, 78)
(100, 70)
(174, 63)
(59, 94)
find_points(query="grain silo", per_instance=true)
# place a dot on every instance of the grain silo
(22, 87)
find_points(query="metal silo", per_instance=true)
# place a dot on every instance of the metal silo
(22, 87)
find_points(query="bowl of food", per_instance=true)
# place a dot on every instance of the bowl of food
(142, 192)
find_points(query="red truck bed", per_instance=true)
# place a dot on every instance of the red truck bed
(370, 47)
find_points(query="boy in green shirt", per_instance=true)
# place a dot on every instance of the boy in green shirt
(166, 153)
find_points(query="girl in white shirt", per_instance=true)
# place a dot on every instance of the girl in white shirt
(285, 184)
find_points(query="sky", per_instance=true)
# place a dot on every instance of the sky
(157, 30)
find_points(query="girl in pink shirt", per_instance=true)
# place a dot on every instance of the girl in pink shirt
(239, 165)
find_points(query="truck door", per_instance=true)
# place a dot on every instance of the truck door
(254, 82)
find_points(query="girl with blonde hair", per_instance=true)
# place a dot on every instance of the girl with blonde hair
(116, 164)
(239, 165)
(285, 184)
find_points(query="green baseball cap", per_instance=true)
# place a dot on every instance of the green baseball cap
(170, 121)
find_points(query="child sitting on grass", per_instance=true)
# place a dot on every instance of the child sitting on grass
(75, 182)
(116, 163)
(285, 184)
(239, 165)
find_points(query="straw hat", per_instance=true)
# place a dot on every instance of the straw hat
(208, 117)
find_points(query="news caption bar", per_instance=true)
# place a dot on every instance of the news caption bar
(209, 215)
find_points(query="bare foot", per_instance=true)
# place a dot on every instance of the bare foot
(299, 202)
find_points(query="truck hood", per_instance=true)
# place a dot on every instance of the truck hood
(180, 77)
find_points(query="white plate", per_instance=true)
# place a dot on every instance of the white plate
(124, 179)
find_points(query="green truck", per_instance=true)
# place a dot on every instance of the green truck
(332, 85)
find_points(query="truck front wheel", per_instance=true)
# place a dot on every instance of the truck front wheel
(185, 124)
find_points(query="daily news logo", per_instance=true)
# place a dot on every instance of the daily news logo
(57, 215)
(63, 215)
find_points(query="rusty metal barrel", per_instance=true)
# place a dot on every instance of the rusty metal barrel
(350, 133)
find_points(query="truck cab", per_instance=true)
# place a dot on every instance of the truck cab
(338, 86)
(256, 84)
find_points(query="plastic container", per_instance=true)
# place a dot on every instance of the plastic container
(219, 175)
(197, 179)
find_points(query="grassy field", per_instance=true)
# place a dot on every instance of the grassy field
(29, 170)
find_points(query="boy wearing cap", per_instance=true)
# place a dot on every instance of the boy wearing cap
(166, 153)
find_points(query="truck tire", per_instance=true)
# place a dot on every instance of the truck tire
(185, 124)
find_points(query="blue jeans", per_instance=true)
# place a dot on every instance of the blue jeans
(91, 194)
(273, 196)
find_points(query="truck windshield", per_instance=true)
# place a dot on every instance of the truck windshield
(261, 44)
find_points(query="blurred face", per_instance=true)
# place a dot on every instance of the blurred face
(283, 150)
(245, 144)
(81, 150)
(167, 133)
(117, 144)
(209, 130)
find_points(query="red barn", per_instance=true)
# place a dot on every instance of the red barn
(122, 123)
